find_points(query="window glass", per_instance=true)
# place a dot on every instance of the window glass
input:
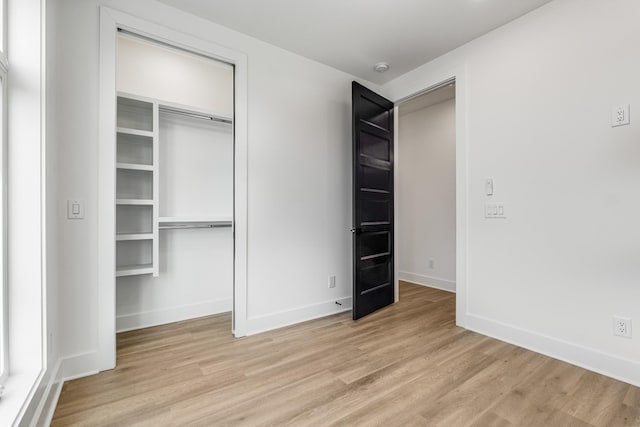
(4, 327)
(3, 208)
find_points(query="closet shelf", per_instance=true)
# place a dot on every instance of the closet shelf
(136, 132)
(134, 166)
(191, 220)
(133, 270)
(134, 236)
(134, 202)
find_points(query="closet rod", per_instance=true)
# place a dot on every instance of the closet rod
(195, 115)
(185, 226)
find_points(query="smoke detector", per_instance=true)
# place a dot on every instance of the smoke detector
(381, 67)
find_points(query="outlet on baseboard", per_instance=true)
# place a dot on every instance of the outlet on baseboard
(332, 281)
(622, 326)
(432, 263)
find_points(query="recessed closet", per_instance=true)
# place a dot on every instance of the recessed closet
(174, 184)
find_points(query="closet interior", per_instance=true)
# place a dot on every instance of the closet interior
(174, 185)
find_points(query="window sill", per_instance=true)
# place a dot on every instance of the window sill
(17, 391)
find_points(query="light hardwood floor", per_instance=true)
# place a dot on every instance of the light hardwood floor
(405, 365)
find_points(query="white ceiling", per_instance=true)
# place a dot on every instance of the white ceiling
(353, 35)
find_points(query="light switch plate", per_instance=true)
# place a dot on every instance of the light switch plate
(488, 186)
(620, 115)
(75, 209)
(495, 210)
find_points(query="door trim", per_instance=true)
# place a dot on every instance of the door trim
(110, 21)
(459, 75)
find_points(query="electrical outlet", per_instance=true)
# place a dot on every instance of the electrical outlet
(620, 115)
(432, 264)
(622, 326)
(495, 210)
(332, 281)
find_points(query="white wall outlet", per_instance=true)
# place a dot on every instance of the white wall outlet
(75, 209)
(620, 115)
(432, 263)
(495, 210)
(622, 326)
(332, 281)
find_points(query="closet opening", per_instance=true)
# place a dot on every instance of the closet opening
(172, 179)
(174, 184)
(426, 190)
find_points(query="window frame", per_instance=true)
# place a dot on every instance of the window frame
(4, 286)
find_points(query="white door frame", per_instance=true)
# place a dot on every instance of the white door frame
(110, 21)
(462, 187)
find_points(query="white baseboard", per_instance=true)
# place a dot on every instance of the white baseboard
(49, 406)
(49, 399)
(65, 369)
(128, 322)
(297, 315)
(32, 405)
(612, 366)
(78, 366)
(432, 282)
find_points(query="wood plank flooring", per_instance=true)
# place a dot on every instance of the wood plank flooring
(405, 365)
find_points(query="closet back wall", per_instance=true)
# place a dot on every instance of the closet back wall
(171, 75)
(195, 181)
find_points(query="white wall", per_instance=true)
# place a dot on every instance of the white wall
(539, 93)
(299, 174)
(159, 72)
(426, 215)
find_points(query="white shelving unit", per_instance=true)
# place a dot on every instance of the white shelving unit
(134, 202)
(133, 236)
(137, 186)
(134, 270)
(137, 183)
(135, 167)
(134, 132)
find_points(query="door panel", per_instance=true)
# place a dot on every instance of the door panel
(375, 146)
(373, 112)
(372, 201)
(376, 209)
(375, 275)
(374, 245)
(374, 179)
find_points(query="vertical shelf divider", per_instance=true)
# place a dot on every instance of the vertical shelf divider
(156, 190)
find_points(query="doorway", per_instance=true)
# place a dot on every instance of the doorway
(426, 207)
(112, 23)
